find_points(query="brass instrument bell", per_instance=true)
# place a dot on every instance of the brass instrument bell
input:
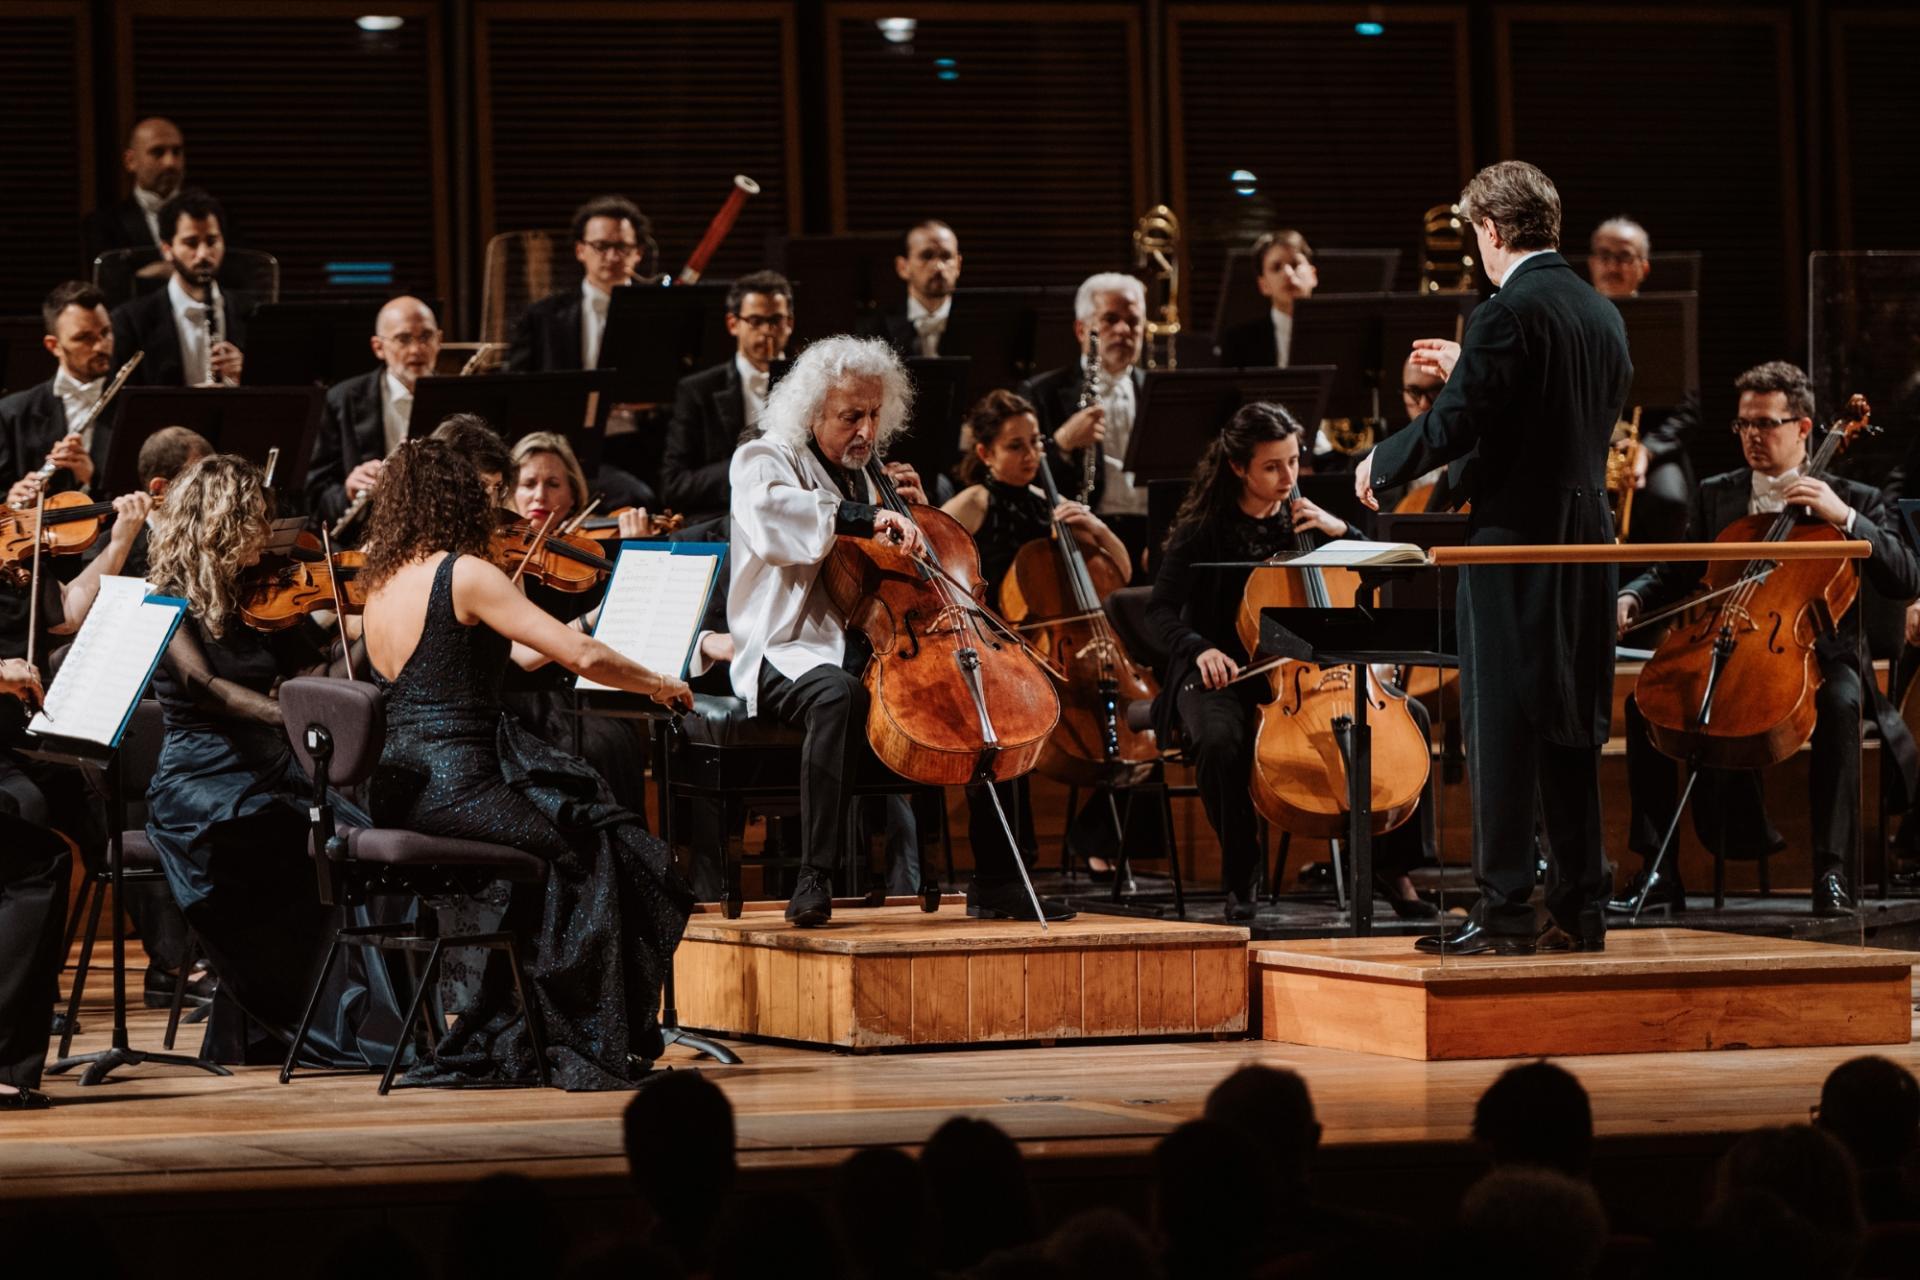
(1156, 247)
(1446, 251)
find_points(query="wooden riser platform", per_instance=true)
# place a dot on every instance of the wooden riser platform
(1654, 990)
(893, 977)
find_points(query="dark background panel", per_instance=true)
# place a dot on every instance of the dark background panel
(46, 107)
(1877, 116)
(1017, 125)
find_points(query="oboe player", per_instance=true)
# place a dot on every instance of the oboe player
(192, 331)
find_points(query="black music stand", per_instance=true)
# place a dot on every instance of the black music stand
(846, 277)
(249, 421)
(996, 329)
(1340, 271)
(574, 403)
(1360, 637)
(299, 344)
(931, 442)
(1182, 410)
(1663, 333)
(1366, 337)
(656, 336)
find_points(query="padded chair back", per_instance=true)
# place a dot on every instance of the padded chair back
(354, 716)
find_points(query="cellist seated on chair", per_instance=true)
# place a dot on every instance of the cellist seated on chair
(1774, 425)
(1240, 507)
(796, 488)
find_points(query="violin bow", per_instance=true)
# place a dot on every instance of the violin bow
(999, 624)
(533, 547)
(339, 600)
(33, 582)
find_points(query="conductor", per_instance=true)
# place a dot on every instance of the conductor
(1531, 396)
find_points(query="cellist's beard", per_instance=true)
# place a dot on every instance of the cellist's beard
(856, 456)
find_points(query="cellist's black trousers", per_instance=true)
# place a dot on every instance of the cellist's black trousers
(1220, 726)
(830, 707)
(1728, 812)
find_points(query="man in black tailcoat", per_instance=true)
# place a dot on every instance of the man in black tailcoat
(715, 408)
(1532, 394)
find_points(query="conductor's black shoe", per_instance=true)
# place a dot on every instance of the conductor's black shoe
(1555, 938)
(1831, 897)
(1660, 892)
(25, 1100)
(1004, 899)
(812, 903)
(1472, 939)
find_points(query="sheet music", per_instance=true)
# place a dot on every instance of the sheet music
(110, 663)
(653, 608)
(1347, 553)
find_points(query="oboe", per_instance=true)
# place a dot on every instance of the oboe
(216, 330)
(1089, 396)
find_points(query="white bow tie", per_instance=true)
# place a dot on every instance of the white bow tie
(757, 384)
(929, 321)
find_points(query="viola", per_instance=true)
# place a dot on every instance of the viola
(1299, 771)
(1733, 686)
(606, 528)
(277, 594)
(1056, 588)
(954, 697)
(568, 562)
(70, 523)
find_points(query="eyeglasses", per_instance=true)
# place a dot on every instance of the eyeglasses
(613, 248)
(406, 340)
(765, 322)
(1616, 257)
(1419, 393)
(1759, 425)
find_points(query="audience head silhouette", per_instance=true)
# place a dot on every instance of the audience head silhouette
(1807, 1170)
(679, 1140)
(885, 1217)
(1210, 1189)
(1275, 1104)
(978, 1183)
(1548, 1217)
(1872, 1105)
(1536, 1114)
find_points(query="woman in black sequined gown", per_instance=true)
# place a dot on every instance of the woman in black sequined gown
(597, 937)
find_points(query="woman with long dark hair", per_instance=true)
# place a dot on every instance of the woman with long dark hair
(1242, 506)
(440, 621)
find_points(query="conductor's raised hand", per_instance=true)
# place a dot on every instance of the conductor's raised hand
(907, 482)
(891, 529)
(1436, 356)
(1363, 483)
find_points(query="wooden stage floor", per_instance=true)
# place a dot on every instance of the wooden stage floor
(1083, 1113)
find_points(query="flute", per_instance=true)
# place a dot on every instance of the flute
(45, 473)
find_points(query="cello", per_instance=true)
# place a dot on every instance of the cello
(1299, 777)
(1733, 688)
(1055, 588)
(954, 695)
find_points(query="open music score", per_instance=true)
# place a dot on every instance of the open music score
(655, 603)
(109, 665)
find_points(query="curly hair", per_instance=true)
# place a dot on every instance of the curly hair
(429, 499)
(983, 424)
(798, 400)
(214, 518)
(1790, 380)
(1215, 489)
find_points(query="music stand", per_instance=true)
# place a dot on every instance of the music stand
(249, 421)
(931, 441)
(1663, 333)
(656, 336)
(1182, 410)
(1360, 637)
(846, 277)
(994, 328)
(573, 402)
(298, 344)
(1340, 271)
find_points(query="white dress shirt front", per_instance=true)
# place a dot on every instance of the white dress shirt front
(77, 399)
(150, 210)
(1282, 336)
(396, 410)
(1120, 495)
(190, 322)
(931, 326)
(754, 387)
(594, 302)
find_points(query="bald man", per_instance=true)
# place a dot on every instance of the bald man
(156, 158)
(367, 415)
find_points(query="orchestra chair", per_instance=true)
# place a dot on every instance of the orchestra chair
(337, 729)
(1126, 610)
(719, 755)
(139, 862)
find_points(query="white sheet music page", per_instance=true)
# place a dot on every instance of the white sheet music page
(109, 665)
(1351, 553)
(653, 609)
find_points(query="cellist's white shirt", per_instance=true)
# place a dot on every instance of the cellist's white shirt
(784, 507)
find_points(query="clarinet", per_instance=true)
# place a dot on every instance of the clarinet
(216, 329)
(1089, 396)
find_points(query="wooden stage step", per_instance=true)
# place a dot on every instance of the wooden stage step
(1652, 990)
(888, 977)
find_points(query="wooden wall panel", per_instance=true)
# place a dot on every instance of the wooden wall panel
(662, 103)
(1876, 111)
(1699, 145)
(325, 142)
(1021, 125)
(1350, 138)
(46, 104)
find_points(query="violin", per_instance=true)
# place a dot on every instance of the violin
(70, 523)
(568, 562)
(954, 696)
(1734, 686)
(1055, 586)
(606, 528)
(276, 595)
(1299, 770)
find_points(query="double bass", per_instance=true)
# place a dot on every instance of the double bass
(954, 696)
(1054, 592)
(1299, 769)
(1733, 687)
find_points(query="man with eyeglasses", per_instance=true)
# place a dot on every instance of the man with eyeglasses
(929, 263)
(367, 415)
(1774, 428)
(717, 408)
(563, 330)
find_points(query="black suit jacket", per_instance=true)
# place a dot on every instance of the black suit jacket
(1250, 345)
(146, 324)
(894, 327)
(548, 335)
(1542, 375)
(116, 226)
(31, 423)
(1055, 395)
(1722, 499)
(353, 430)
(709, 416)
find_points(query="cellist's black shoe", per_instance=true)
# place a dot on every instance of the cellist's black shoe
(1831, 897)
(995, 898)
(1659, 892)
(1240, 909)
(812, 903)
(25, 1100)
(1414, 908)
(1472, 939)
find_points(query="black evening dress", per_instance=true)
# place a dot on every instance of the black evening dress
(226, 810)
(597, 937)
